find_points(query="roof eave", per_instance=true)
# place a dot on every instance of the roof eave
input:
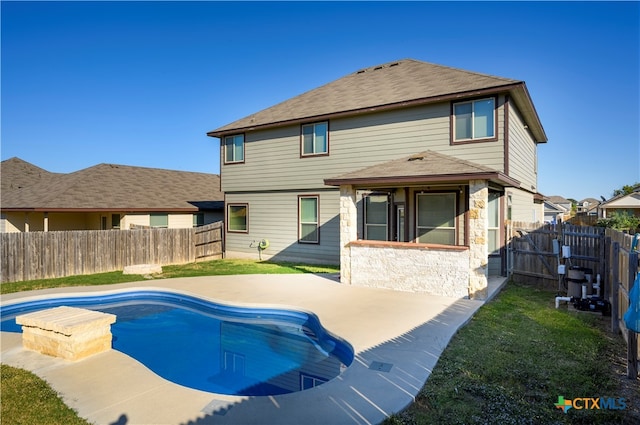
(499, 178)
(93, 210)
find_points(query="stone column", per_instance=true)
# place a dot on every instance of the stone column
(348, 229)
(478, 238)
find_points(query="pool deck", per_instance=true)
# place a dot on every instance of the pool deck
(397, 337)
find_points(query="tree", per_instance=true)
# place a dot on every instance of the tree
(626, 189)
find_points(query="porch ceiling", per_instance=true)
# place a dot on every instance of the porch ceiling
(423, 167)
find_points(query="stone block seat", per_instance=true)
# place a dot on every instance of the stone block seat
(67, 332)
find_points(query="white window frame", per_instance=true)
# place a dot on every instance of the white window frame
(316, 222)
(313, 144)
(229, 141)
(473, 128)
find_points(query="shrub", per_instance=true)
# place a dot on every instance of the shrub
(621, 220)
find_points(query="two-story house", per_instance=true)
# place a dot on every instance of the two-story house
(404, 173)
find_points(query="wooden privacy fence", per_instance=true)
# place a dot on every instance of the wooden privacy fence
(534, 257)
(42, 255)
(621, 275)
(534, 252)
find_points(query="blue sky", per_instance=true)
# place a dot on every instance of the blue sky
(140, 83)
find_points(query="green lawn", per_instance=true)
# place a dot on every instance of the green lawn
(513, 360)
(28, 400)
(205, 268)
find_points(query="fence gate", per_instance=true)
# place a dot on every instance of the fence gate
(535, 251)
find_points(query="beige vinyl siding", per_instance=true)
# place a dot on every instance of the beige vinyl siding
(134, 219)
(180, 221)
(523, 208)
(274, 216)
(273, 162)
(522, 152)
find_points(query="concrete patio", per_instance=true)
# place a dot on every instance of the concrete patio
(397, 338)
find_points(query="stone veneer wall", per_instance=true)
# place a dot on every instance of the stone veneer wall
(348, 229)
(478, 237)
(435, 269)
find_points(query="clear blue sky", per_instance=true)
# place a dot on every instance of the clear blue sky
(141, 83)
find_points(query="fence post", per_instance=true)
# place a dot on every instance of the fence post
(605, 284)
(632, 337)
(615, 263)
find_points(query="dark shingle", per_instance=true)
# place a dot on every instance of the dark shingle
(112, 187)
(391, 85)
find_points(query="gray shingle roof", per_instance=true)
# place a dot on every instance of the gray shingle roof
(107, 187)
(424, 167)
(392, 85)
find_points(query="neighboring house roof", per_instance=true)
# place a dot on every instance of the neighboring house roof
(424, 167)
(393, 85)
(630, 200)
(550, 207)
(559, 200)
(590, 201)
(107, 187)
(17, 173)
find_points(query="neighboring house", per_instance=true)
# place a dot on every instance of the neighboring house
(588, 206)
(403, 173)
(554, 213)
(106, 196)
(563, 203)
(629, 203)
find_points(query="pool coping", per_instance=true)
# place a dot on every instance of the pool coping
(397, 339)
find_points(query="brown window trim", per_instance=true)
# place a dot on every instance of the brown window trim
(314, 155)
(452, 140)
(456, 229)
(237, 204)
(244, 149)
(300, 241)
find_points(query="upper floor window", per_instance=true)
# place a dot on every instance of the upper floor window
(474, 120)
(234, 148)
(315, 139)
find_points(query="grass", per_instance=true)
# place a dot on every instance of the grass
(28, 400)
(205, 268)
(513, 360)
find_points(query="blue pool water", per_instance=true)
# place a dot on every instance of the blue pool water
(213, 347)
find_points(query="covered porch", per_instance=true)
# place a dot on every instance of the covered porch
(424, 223)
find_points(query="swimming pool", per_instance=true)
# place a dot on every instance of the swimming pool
(212, 347)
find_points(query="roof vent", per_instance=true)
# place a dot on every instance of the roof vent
(377, 68)
(394, 64)
(416, 158)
